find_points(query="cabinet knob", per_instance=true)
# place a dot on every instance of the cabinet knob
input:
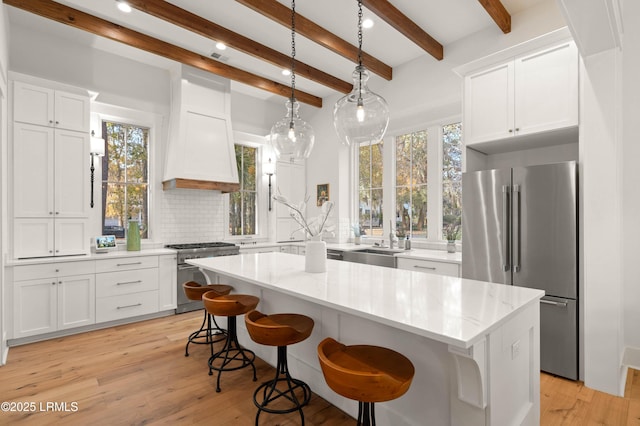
(57, 251)
(57, 212)
(50, 121)
(53, 283)
(57, 122)
(50, 251)
(50, 212)
(510, 130)
(57, 270)
(517, 129)
(59, 282)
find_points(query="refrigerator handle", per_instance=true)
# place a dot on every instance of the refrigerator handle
(516, 228)
(506, 226)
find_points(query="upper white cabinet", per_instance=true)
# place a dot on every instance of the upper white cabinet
(48, 107)
(50, 186)
(527, 95)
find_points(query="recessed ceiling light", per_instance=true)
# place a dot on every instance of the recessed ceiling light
(367, 23)
(124, 6)
(220, 46)
(286, 72)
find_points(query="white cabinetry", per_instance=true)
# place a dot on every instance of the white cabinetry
(264, 249)
(291, 183)
(53, 297)
(126, 287)
(429, 266)
(527, 95)
(167, 282)
(50, 173)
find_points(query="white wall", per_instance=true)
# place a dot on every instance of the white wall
(630, 234)
(4, 65)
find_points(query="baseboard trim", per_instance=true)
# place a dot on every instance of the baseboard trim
(631, 358)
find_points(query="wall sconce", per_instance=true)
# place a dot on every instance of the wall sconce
(96, 148)
(269, 169)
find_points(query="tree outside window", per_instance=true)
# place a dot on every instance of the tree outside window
(452, 179)
(125, 178)
(411, 184)
(242, 204)
(370, 188)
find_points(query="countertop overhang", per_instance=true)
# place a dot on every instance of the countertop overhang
(455, 311)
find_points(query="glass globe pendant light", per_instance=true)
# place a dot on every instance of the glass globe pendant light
(292, 136)
(360, 116)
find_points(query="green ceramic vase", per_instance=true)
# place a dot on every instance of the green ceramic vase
(133, 236)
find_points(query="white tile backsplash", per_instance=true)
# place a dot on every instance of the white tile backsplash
(191, 216)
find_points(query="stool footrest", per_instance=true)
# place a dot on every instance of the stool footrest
(208, 333)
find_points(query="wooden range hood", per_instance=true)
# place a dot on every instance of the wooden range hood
(200, 149)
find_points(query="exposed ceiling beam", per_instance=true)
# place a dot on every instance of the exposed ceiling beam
(405, 26)
(77, 19)
(498, 13)
(309, 29)
(192, 22)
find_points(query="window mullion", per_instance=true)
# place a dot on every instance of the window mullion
(434, 182)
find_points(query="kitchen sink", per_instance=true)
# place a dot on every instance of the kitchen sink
(373, 256)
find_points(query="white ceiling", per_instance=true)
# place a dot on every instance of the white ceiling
(446, 21)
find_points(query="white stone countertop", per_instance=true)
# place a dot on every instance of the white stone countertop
(455, 311)
(93, 256)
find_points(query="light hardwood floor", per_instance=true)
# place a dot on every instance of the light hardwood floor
(137, 374)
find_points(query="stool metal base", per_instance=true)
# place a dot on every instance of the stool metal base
(366, 414)
(270, 391)
(207, 334)
(231, 354)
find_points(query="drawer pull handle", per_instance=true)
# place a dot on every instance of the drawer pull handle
(129, 282)
(129, 306)
(129, 264)
(431, 268)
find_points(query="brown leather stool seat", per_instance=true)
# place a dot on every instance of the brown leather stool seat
(280, 330)
(232, 356)
(209, 332)
(367, 374)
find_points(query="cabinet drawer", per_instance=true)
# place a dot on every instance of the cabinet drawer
(125, 306)
(47, 270)
(429, 266)
(126, 282)
(126, 263)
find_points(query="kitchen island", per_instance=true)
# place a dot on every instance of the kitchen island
(475, 345)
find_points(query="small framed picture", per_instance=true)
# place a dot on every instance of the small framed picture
(105, 243)
(322, 194)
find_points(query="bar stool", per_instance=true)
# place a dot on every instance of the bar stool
(367, 374)
(280, 330)
(233, 356)
(208, 334)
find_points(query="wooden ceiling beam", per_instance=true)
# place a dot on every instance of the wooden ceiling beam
(173, 14)
(401, 23)
(498, 13)
(66, 15)
(309, 29)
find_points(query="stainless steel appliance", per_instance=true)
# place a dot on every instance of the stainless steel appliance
(520, 228)
(188, 272)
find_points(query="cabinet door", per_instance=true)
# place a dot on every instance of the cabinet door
(167, 282)
(429, 266)
(290, 182)
(32, 104)
(71, 237)
(33, 173)
(288, 229)
(76, 301)
(71, 174)
(488, 104)
(71, 112)
(35, 307)
(33, 238)
(546, 85)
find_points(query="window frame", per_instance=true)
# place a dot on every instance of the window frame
(435, 154)
(106, 112)
(263, 224)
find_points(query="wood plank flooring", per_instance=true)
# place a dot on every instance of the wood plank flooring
(137, 374)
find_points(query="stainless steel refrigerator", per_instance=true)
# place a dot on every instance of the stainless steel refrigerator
(521, 228)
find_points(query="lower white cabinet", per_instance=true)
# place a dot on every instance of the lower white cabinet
(126, 287)
(268, 249)
(46, 299)
(429, 266)
(167, 282)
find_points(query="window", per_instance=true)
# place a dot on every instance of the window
(452, 179)
(370, 188)
(125, 178)
(242, 204)
(411, 184)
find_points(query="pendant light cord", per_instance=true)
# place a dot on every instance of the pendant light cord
(293, 49)
(360, 52)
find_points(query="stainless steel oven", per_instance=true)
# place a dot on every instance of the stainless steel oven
(188, 272)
